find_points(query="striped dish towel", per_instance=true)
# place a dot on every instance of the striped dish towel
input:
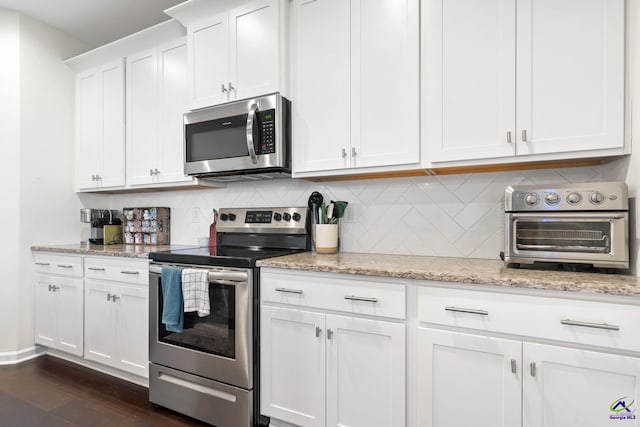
(195, 291)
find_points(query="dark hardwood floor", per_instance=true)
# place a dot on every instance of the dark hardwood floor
(50, 392)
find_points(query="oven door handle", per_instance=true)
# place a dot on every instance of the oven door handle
(250, 143)
(567, 216)
(223, 277)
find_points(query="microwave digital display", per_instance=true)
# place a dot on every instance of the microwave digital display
(258, 217)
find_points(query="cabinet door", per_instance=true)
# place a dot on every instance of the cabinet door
(469, 75)
(385, 83)
(570, 75)
(571, 387)
(88, 129)
(255, 47)
(142, 117)
(322, 99)
(100, 332)
(46, 312)
(208, 56)
(468, 380)
(132, 329)
(365, 372)
(71, 315)
(112, 125)
(292, 366)
(174, 100)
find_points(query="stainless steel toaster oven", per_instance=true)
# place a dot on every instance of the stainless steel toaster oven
(569, 223)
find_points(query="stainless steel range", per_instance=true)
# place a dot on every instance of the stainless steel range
(570, 223)
(210, 370)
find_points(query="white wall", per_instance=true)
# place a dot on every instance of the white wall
(454, 215)
(36, 165)
(9, 171)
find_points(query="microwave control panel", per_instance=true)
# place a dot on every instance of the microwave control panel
(267, 121)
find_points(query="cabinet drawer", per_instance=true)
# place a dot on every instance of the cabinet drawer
(117, 270)
(67, 265)
(582, 322)
(357, 295)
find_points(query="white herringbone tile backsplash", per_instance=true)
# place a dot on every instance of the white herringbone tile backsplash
(451, 215)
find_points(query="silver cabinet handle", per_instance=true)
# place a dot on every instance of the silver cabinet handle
(156, 171)
(524, 135)
(231, 88)
(53, 288)
(151, 172)
(250, 117)
(222, 88)
(353, 152)
(356, 298)
(114, 298)
(467, 310)
(532, 369)
(44, 264)
(290, 291)
(509, 137)
(513, 366)
(129, 272)
(344, 153)
(95, 268)
(65, 266)
(108, 297)
(590, 325)
(98, 178)
(318, 330)
(329, 334)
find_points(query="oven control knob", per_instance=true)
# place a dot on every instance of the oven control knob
(552, 199)
(277, 216)
(224, 217)
(597, 198)
(531, 199)
(287, 217)
(574, 198)
(296, 216)
(232, 217)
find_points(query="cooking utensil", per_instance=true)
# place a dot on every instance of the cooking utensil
(314, 203)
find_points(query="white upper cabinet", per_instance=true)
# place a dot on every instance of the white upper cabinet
(235, 54)
(100, 132)
(544, 77)
(355, 84)
(156, 102)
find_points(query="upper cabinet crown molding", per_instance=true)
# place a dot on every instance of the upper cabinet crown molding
(192, 11)
(137, 42)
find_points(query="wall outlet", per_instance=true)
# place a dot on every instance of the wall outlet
(195, 215)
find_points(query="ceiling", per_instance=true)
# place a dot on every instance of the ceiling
(94, 22)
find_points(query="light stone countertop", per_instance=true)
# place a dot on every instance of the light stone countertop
(458, 270)
(127, 251)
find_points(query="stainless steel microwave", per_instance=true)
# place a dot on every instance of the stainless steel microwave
(240, 140)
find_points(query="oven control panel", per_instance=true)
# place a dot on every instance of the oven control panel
(593, 196)
(286, 220)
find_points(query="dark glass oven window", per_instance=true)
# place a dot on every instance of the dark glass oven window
(569, 236)
(217, 139)
(214, 334)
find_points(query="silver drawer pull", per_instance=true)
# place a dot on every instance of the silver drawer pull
(290, 291)
(95, 268)
(318, 330)
(129, 272)
(514, 368)
(65, 266)
(532, 369)
(44, 264)
(590, 325)
(355, 298)
(467, 310)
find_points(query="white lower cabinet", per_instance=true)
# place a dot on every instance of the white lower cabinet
(116, 326)
(319, 368)
(58, 308)
(468, 379)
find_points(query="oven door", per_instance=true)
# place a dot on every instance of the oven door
(598, 238)
(218, 346)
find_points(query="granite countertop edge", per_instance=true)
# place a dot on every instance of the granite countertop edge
(484, 272)
(124, 251)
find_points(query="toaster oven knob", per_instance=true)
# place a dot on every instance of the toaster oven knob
(531, 199)
(552, 199)
(574, 198)
(597, 198)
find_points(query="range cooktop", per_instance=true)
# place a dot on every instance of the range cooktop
(223, 256)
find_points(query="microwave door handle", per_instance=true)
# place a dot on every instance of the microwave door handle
(250, 146)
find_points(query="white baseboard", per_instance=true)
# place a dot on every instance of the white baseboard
(22, 355)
